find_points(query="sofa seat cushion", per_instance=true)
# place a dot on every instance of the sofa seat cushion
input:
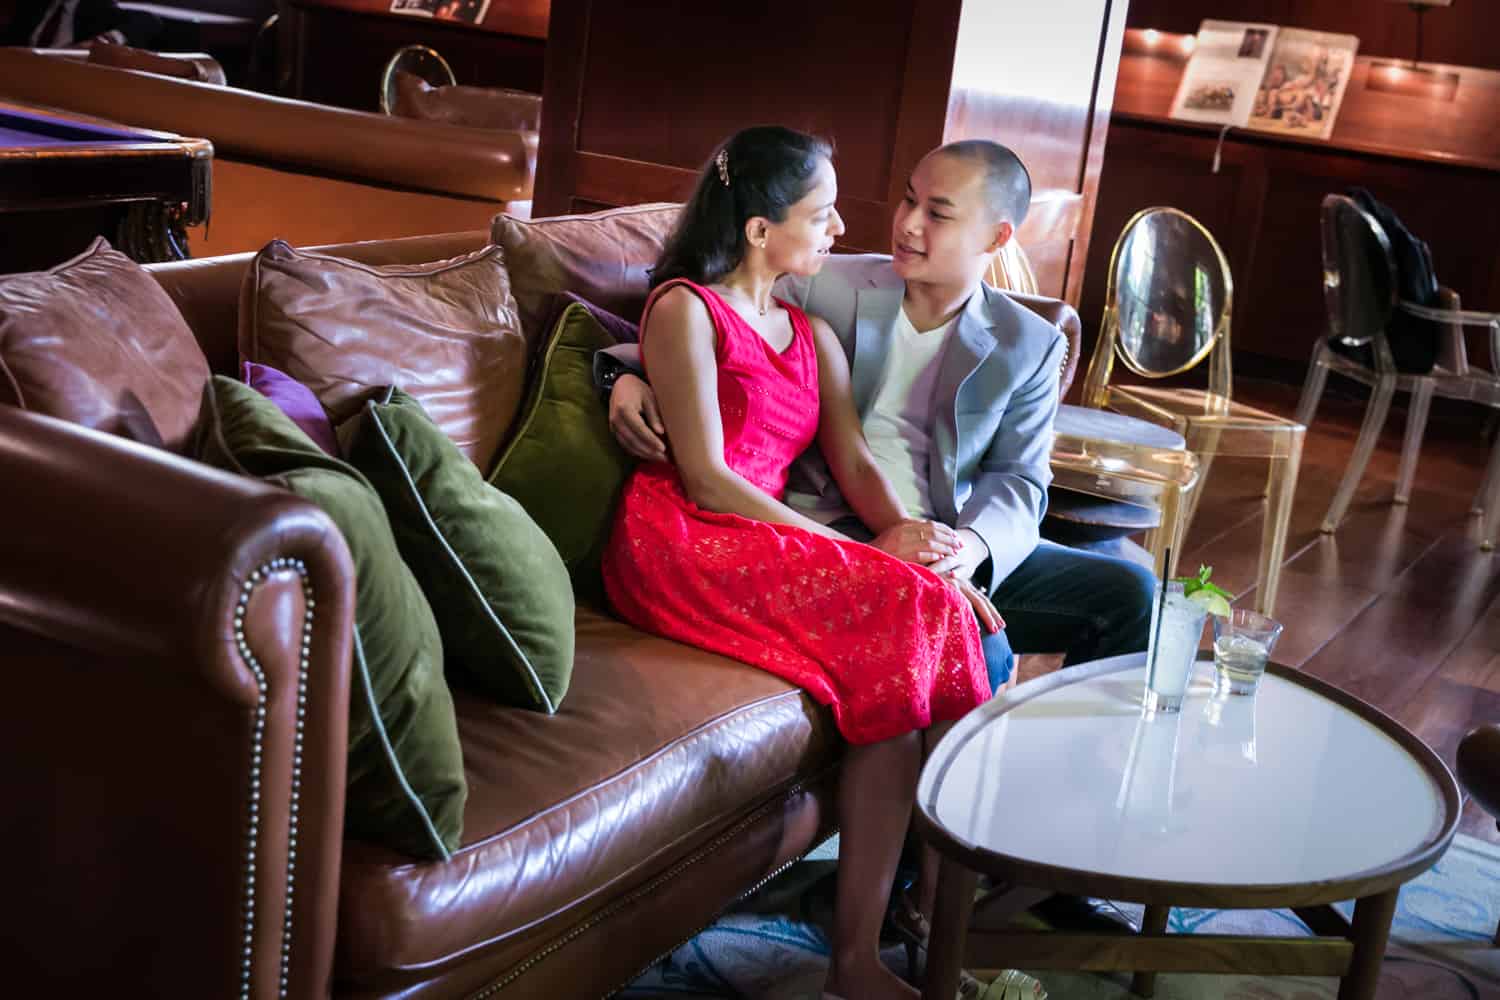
(658, 748)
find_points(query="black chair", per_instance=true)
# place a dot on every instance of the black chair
(1359, 291)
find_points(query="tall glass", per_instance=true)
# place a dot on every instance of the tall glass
(1242, 644)
(1176, 627)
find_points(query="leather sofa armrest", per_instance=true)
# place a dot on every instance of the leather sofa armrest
(173, 735)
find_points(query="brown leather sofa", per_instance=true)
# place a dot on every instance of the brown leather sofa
(284, 169)
(165, 843)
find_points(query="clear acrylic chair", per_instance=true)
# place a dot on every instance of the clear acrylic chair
(1166, 310)
(1359, 291)
(1142, 474)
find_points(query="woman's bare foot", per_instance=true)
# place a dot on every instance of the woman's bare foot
(872, 980)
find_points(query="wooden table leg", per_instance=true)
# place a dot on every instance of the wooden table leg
(1372, 926)
(950, 925)
(1154, 922)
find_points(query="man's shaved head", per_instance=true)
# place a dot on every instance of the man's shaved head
(1007, 184)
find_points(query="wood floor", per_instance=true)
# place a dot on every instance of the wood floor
(1400, 607)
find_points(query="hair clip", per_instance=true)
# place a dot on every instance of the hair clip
(722, 162)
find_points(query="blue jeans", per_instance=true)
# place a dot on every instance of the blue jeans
(1059, 600)
(1083, 604)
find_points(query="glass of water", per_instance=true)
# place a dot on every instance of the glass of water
(1242, 644)
(1176, 627)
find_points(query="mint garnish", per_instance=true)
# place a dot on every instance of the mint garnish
(1192, 584)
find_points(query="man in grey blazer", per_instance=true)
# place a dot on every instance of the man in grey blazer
(956, 385)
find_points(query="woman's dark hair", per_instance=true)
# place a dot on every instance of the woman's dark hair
(763, 171)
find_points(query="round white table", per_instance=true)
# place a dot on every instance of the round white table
(1298, 797)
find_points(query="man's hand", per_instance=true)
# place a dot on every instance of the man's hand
(922, 542)
(989, 618)
(634, 420)
(971, 553)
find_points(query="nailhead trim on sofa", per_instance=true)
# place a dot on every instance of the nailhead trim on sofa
(253, 834)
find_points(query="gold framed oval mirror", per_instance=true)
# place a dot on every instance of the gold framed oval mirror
(1172, 291)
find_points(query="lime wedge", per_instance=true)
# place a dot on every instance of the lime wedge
(1215, 604)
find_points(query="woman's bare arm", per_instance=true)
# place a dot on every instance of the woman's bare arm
(866, 488)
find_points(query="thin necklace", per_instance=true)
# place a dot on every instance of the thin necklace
(747, 298)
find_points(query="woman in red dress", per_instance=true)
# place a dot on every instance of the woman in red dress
(704, 551)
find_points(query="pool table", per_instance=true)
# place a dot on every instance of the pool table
(66, 178)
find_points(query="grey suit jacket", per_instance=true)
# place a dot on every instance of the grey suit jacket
(991, 414)
(992, 410)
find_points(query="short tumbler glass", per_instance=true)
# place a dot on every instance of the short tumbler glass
(1243, 641)
(1176, 627)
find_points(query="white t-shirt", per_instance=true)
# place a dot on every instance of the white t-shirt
(898, 425)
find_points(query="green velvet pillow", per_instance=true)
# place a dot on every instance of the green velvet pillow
(406, 785)
(496, 584)
(562, 463)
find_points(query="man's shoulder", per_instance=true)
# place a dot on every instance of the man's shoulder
(858, 270)
(1019, 324)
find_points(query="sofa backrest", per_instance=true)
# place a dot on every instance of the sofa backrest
(433, 157)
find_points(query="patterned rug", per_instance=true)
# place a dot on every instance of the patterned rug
(774, 946)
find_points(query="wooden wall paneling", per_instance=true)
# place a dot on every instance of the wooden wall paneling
(562, 96)
(645, 116)
(630, 114)
(922, 119)
(1045, 92)
(1462, 34)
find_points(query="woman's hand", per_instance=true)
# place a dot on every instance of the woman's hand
(972, 552)
(988, 617)
(920, 542)
(635, 421)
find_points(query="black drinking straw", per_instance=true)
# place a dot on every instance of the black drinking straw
(1161, 609)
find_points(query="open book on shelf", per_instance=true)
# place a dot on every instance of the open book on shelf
(1266, 77)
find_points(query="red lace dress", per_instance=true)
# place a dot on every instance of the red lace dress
(887, 644)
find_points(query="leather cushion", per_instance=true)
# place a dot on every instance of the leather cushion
(563, 464)
(405, 781)
(602, 257)
(496, 584)
(97, 342)
(446, 332)
(658, 748)
(473, 107)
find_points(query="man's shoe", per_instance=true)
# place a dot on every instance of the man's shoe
(1075, 913)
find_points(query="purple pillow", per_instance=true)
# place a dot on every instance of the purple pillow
(296, 401)
(620, 329)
